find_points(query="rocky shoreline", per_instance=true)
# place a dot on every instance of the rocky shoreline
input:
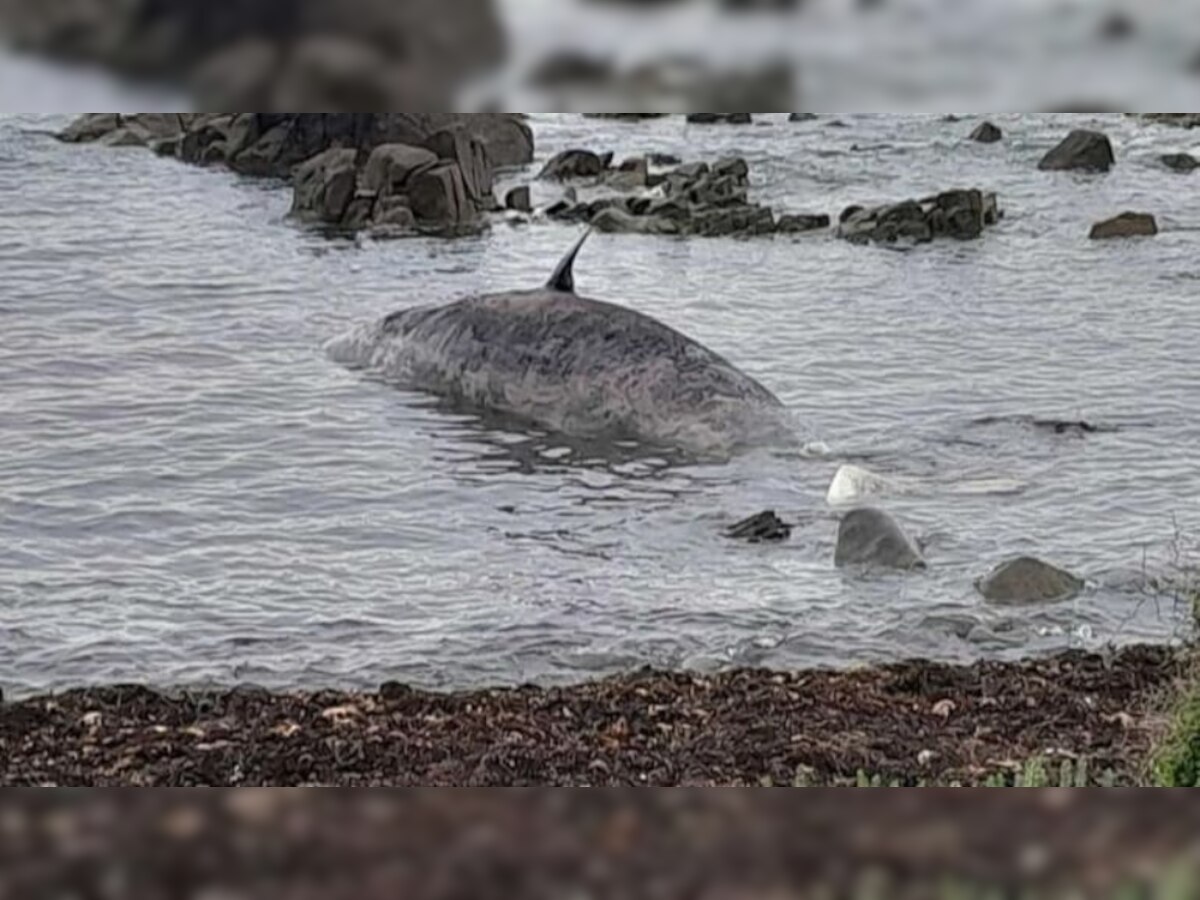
(1078, 718)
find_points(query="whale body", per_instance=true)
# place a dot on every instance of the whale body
(582, 367)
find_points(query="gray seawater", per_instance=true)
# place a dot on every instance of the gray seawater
(191, 491)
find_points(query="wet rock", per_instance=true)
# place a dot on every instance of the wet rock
(663, 159)
(324, 186)
(519, 199)
(90, 127)
(733, 166)
(959, 214)
(439, 198)
(986, 133)
(1180, 162)
(720, 118)
(574, 163)
(393, 213)
(802, 117)
(1127, 224)
(390, 167)
(1028, 580)
(765, 526)
(573, 68)
(631, 175)
(792, 223)
(870, 537)
(617, 221)
(456, 144)
(1083, 150)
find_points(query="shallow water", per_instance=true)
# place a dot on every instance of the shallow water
(191, 491)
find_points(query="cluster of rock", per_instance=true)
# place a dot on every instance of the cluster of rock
(684, 199)
(431, 171)
(960, 214)
(275, 54)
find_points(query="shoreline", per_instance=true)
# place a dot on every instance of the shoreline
(1076, 718)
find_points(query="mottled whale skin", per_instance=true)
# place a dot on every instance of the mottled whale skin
(572, 364)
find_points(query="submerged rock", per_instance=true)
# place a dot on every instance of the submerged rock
(765, 526)
(802, 117)
(792, 223)
(986, 133)
(574, 163)
(1127, 224)
(870, 537)
(1180, 162)
(1028, 580)
(1089, 151)
(959, 214)
(720, 118)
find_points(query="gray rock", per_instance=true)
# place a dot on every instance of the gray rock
(519, 199)
(438, 197)
(1028, 580)
(90, 127)
(574, 163)
(959, 214)
(802, 117)
(733, 166)
(1180, 162)
(324, 186)
(394, 213)
(720, 118)
(123, 137)
(1127, 224)
(986, 133)
(631, 175)
(458, 145)
(391, 166)
(618, 221)
(1084, 150)
(871, 538)
(797, 222)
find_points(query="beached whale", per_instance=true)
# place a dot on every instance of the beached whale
(574, 365)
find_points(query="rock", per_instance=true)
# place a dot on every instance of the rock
(732, 165)
(765, 526)
(802, 117)
(1180, 162)
(1084, 150)
(575, 163)
(570, 67)
(324, 186)
(390, 167)
(792, 223)
(986, 133)
(394, 213)
(663, 159)
(959, 214)
(123, 137)
(518, 198)
(617, 221)
(261, 158)
(90, 127)
(1028, 580)
(631, 175)
(720, 118)
(438, 197)
(870, 537)
(1127, 224)
(1176, 120)
(456, 144)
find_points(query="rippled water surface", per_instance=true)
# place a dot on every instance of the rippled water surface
(191, 491)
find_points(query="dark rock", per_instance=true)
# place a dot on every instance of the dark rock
(575, 163)
(90, 127)
(1028, 580)
(1088, 151)
(123, 137)
(630, 175)
(870, 537)
(765, 526)
(458, 145)
(986, 133)
(802, 117)
(1175, 120)
(720, 118)
(1127, 224)
(614, 220)
(959, 214)
(394, 213)
(390, 167)
(798, 222)
(262, 157)
(1180, 162)
(438, 197)
(572, 68)
(324, 186)
(732, 165)
(663, 159)
(519, 199)
(625, 117)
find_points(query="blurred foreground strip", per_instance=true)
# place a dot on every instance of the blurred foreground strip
(477, 844)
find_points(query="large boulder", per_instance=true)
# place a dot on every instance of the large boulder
(390, 166)
(574, 163)
(1127, 224)
(1028, 580)
(325, 185)
(871, 538)
(458, 145)
(438, 198)
(1089, 151)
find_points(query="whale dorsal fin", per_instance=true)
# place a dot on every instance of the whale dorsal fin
(563, 278)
